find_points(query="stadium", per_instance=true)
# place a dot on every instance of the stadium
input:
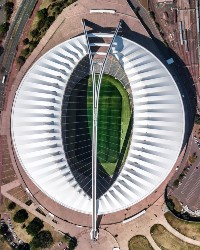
(141, 118)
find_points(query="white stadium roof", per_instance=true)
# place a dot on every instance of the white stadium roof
(157, 136)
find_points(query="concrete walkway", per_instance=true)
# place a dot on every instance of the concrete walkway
(143, 224)
(177, 234)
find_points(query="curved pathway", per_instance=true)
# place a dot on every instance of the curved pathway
(143, 224)
(177, 234)
(152, 242)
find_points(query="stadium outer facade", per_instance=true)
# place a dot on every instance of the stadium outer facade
(67, 26)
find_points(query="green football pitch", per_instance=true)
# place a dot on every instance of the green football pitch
(113, 121)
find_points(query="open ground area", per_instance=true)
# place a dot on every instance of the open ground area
(20, 228)
(4, 245)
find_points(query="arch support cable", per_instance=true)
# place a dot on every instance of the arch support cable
(96, 93)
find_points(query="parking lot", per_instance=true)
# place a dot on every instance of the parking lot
(187, 191)
(9, 232)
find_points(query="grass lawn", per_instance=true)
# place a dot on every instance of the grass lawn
(4, 244)
(113, 120)
(42, 24)
(177, 205)
(44, 4)
(21, 232)
(167, 241)
(189, 229)
(139, 242)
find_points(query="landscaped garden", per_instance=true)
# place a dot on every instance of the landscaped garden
(173, 204)
(8, 10)
(30, 229)
(139, 242)
(189, 229)
(167, 241)
(46, 15)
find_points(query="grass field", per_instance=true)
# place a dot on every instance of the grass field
(21, 232)
(189, 229)
(167, 241)
(113, 120)
(139, 242)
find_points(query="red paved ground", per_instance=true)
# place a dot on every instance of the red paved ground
(1, 166)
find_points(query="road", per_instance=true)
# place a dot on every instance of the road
(12, 40)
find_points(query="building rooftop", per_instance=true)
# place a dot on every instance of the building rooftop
(156, 140)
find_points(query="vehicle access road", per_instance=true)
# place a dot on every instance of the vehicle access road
(13, 38)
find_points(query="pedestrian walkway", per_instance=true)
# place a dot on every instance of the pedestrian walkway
(177, 234)
(143, 224)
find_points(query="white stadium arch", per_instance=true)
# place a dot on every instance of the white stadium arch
(157, 137)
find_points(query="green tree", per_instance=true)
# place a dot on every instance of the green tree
(33, 44)
(35, 33)
(20, 216)
(8, 9)
(157, 25)
(170, 204)
(43, 239)
(197, 119)
(25, 52)
(176, 183)
(26, 41)
(186, 216)
(1, 49)
(50, 20)
(34, 226)
(42, 14)
(3, 229)
(41, 23)
(24, 246)
(152, 15)
(72, 243)
(4, 27)
(21, 60)
(12, 205)
(58, 10)
(181, 176)
(9, 6)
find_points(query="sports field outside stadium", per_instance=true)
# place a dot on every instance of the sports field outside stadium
(113, 121)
